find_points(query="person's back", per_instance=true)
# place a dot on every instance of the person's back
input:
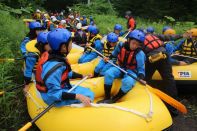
(80, 38)
(158, 59)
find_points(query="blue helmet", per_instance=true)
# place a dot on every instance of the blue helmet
(118, 27)
(150, 29)
(89, 28)
(137, 34)
(165, 28)
(57, 37)
(34, 25)
(42, 37)
(92, 23)
(91, 18)
(112, 38)
(94, 30)
(84, 16)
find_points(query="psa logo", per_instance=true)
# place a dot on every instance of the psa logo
(184, 74)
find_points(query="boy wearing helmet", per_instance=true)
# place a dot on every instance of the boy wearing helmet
(35, 28)
(187, 47)
(94, 40)
(132, 59)
(62, 24)
(131, 24)
(168, 34)
(80, 37)
(54, 24)
(53, 73)
(150, 29)
(34, 50)
(118, 29)
(108, 48)
(84, 22)
(91, 21)
(37, 15)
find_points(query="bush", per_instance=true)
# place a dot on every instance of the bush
(12, 31)
(106, 24)
(95, 7)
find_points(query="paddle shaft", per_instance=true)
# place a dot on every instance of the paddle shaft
(29, 124)
(135, 78)
(9, 90)
(11, 59)
(126, 34)
(43, 112)
(184, 56)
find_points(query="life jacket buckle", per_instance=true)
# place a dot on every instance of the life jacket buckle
(157, 57)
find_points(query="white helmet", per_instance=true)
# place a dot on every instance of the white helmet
(54, 19)
(61, 13)
(77, 19)
(63, 22)
(71, 16)
(79, 25)
(38, 11)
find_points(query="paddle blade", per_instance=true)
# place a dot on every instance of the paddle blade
(25, 127)
(1, 93)
(171, 101)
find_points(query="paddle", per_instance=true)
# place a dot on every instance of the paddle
(29, 124)
(184, 56)
(9, 90)
(10, 59)
(168, 99)
(126, 34)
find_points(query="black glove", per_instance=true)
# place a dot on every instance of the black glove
(76, 75)
(68, 96)
(27, 80)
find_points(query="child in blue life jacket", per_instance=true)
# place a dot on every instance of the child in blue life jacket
(53, 73)
(34, 49)
(118, 30)
(187, 47)
(130, 58)
(35, 28)
(94, 40)
(108, 48)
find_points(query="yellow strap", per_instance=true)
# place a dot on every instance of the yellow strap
(30, 46)
(156, 57)
(105, 50)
